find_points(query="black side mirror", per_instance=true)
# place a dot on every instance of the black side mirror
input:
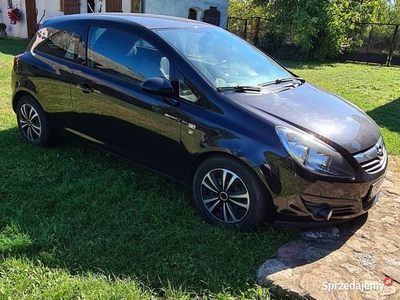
(158, 86)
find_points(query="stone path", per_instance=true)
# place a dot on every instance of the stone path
(356, 260)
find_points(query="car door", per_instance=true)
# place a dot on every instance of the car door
(113, 112)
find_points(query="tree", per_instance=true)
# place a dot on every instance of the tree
(317, 28)
(243, 14)
(389, 12)
(246, 9)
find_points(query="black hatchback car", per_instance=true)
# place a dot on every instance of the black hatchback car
(200, 105)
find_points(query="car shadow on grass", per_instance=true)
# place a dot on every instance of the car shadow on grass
(75, 208)
(388, 115)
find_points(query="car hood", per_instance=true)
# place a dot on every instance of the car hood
(313, 109)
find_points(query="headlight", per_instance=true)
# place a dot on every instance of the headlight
(313, 154)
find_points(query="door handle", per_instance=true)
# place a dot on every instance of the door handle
(86, 88)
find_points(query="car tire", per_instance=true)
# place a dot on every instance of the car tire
(33, 123)
(228, 192)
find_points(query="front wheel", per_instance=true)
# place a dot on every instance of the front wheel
(227, 191)
(32, 122)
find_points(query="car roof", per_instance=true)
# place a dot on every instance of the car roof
(149, 21)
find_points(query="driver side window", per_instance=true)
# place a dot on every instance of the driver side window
(132, 58)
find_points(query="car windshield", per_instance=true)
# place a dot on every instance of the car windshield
(223, 58)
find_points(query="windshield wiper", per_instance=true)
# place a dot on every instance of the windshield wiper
(284, 79)
(239, 88)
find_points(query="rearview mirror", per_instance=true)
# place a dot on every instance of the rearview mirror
(158, 86)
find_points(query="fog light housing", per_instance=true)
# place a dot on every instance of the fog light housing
(323, 213)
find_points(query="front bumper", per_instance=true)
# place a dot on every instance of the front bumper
(300, 197)
(345, 200)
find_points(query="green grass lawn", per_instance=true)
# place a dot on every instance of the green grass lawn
(76, 223)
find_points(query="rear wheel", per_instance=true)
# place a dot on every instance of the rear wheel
(227, 191)
(32, 122)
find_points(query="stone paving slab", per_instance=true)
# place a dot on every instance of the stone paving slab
(356, 260)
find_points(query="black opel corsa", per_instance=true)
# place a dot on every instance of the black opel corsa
(198, 104)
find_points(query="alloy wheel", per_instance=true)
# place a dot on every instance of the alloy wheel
(30, 122)
(225, 195)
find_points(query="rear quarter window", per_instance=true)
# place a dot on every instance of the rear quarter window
(64, 44)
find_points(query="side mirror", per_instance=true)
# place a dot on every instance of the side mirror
(158, 86)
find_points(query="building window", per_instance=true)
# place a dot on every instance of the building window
(61, 4)
(136, 7)
(194, 13)
(9, 3)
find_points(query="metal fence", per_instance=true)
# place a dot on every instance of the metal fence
(253, 29)
(238, 26)
(371, 43)
(374, 43)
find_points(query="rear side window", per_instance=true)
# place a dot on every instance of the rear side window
(125, 55)
(63, 44)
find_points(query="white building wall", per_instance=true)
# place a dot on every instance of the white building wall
(52, 7)
(49, 8)
(181, 8)
(126, 6)
(161, 7)
(18, 30)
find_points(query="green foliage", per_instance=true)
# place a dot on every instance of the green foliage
(382, 36)
(388, 12)
(245, 9)
(357, 11)
(241, 10)
(316, 29)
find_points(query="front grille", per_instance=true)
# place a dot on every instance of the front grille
(374, 159)
(374, 165)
